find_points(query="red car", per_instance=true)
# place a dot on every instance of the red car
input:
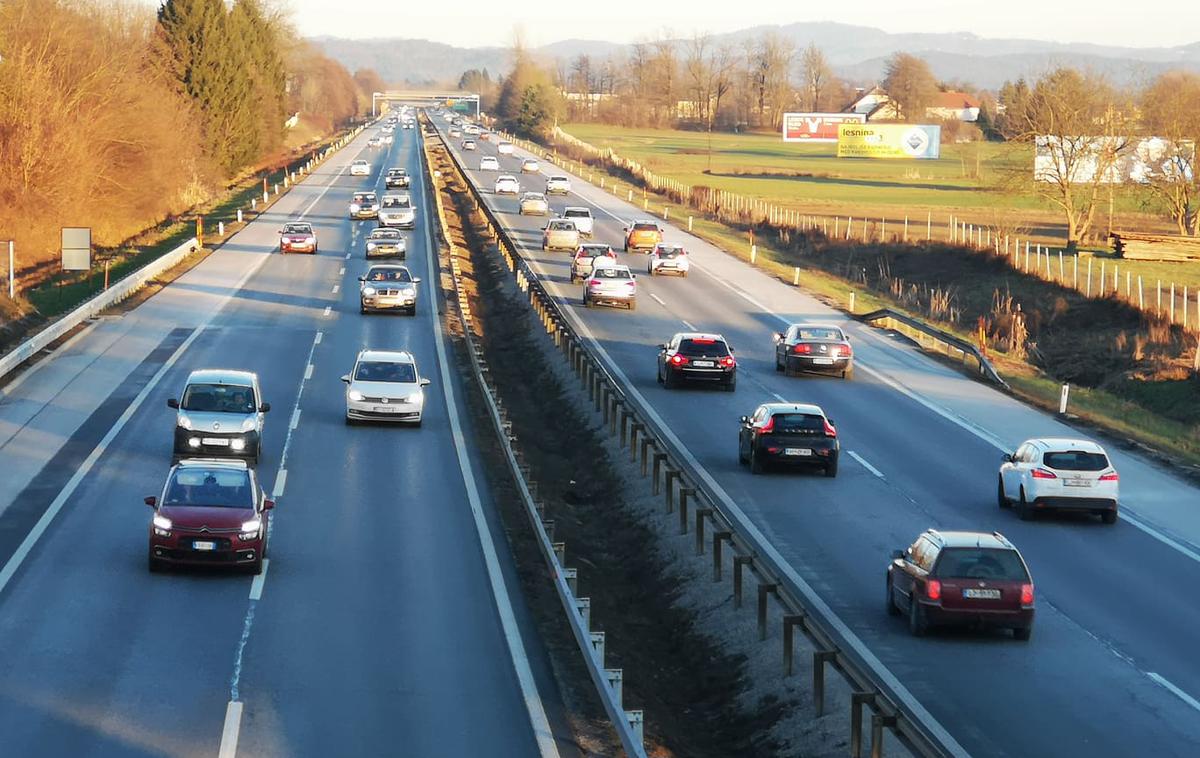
(297, 237)
(961, 579)
(211, 512)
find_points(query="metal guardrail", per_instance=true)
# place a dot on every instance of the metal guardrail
(684, 484)
(627, 724)
(902, 321)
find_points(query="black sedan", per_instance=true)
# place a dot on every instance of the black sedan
(821, 348)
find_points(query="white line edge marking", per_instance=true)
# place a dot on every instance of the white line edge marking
(260, 581)
(308, 372)
(657, 299)
(295, 419)
(231, 730)
(1162, 682)
(348, 255)
(689, 325)
(542, 732)
(342, 271)
(328, 310)
(336, 287)
(865, 465)
(317, 338)
(280, 483)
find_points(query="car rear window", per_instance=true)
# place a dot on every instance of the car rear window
(562, 226)
(820, 334)
(218, 488)
(218, 398)
(670, 252)
(980, 563)
(1076, 460)
(381, 371)
(605, 272)
(576, 213)
(703, 347)
(799, 423)
(645, 227)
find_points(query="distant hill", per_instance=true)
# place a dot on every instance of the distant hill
(857, 53)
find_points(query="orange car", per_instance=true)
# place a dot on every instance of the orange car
(643, 235)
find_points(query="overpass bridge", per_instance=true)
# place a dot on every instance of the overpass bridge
(465, 102)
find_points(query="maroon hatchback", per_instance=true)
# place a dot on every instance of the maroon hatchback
(211, 512)
(961, 579)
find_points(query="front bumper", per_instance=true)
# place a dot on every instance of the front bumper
(209, 444)
(388, 302)
(396, 222)
(298, 247)
(363, 214)
(390, 412)
(228, 548)
(394, 251)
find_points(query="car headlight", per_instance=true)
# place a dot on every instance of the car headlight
(354, 395)
(354, 208)
(237, 444)
(162, 525)
(370, 245)
(251, 529)
(368, 291)
(184, 422)
(249, 425)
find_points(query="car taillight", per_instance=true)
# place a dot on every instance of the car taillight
(593, 282)
(728, 361)
(1041, 473)
(830, 431)
(933, 589)
(1111, 476)
(847, 351)
(766, 428)
(802, 348)
(678, 360)
(1026, 594)
(630, 284)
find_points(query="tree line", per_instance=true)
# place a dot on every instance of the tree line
(116, 117)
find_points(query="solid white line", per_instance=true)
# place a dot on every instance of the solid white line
(280, 483)
(231, 730)
(347, 256)
(318, 337)
(336, 287)
(295, 419)
(308, 371)
(512, 633)
(341, 270)
(328, 310)
(657, 299)
(1174, 690)
(260, 581)
(865, 465)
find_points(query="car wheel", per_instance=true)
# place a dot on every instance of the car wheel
(892, 609)
(778, 363)
(741, 455)
(650, 270)
(416, 424)
(1023, 510)
(918, 625)
(154, 565)
(412, 311)
(685, 274)
(633, 305)
(848, 374)
(669, 381)
(730, 385)
(756, 465)
(1109, 517)
(587, 302)
(831, 468)
(1001, 498)
(1022, 633)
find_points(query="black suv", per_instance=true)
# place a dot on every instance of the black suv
(699, 357)
(788, 433)
(961, 579)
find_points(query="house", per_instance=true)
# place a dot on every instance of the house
(874, 104)
(948, 106)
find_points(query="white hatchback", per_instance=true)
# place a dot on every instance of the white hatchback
(489, 163)
(507, 185)
(1059, 474)
(360, 168)
(505, 148)
(384, 385)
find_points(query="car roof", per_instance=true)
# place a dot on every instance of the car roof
(228, 463)
(1063, 443)
(809, 408)
(396, 170)
(361, 162)
(970, 539)
(297, 223)
(816, 325)
(221, 376)
(558, 178)
(699, 336)
(531, 160)
(646, 221)
(502, 177)
(393, 356)
(533, 194)
(577, 208)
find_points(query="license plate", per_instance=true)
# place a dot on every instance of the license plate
(703, 364)
(198, 545)
(386, 409)
(797, 451)
(1077, 483)
(977, 594)
(823, 361)
(219, 441)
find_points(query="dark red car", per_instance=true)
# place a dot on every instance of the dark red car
(211, 512)
(961, 579)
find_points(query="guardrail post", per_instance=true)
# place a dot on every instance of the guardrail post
(607, 400)
(701, 514)
(614, 677)
(670, 478)
(820, 658)
(738, 562)
(878, 722)
(598, 646)
(719, 538)
(572, 578)
(659, 459)
(636, 724)
(764, 590)
(684, 494)
(560, 552)
(790, 622)
(584, 606)
(616, 406)
(646, 443)
(635, 428)
(625, 417)
(857, 700)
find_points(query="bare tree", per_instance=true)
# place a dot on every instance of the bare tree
(910, 84)
(1169, 110)
(769, 63)
(815, 76)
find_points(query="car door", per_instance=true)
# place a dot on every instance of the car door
(662, 356)
(902, 575)
(1010, 473)
(785, 344)
(746, 438)
(1022, 465)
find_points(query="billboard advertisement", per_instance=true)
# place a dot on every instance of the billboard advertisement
(889, 141)
(1136, 160)
(817, 127)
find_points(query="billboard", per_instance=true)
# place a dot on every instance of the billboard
(76, 248)
(1135, 160)
(889, 141)
(817, 127)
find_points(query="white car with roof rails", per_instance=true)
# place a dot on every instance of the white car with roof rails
(385, 385)
(610, 284)
(668, 258)
(1053, 474)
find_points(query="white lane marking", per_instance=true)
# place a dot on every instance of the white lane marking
(657, 299)
(295, 419)
(336, 287)
(231, 730)
(280, 483)
(260, 581)
(1163, 538)
(689, 325)
(865, 465)
(512, 633)
(1174, 690)
(317, 339)
(341, 271)
(347, 256)
(35, 534)
(328, 310)
(308, 372)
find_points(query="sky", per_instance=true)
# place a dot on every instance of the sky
(474, 23)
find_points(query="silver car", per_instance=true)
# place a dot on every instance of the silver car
(385, 385)
(398, 210)
(364, 205)
(533, 204)
(220, 413)
(612, 285)
(388, 286)
(560, 234)
(384, 243)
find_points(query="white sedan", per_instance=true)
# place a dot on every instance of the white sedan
(507, 185)
(384, 385)
(1061, 475)
(489, 163)
(360, 168)
(505, 148)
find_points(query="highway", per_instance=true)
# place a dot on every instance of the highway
(1110, 670)
(389, 620)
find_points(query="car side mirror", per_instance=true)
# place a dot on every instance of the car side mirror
(830, 421)
(268, 505)
(898, 555)
(1007, 457)
(151, 501)
(424, 382)
(346, 378)
(778, 337)
(264, 408)
(624, 228)
(416, 280)
(745, 419)
(662, 347)
(173, 403)
(362, 278)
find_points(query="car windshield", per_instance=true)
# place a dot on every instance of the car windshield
(819, 333)
(385, 371)
(384, 234)
(612, 273)
(389, 275)
(981, 563)
(1076, 460)
(703, 347)
(398, 172)
(395, 202)
(218, 398)
(297, 229)
(799, 423)
(214, 488)
(364, 198)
